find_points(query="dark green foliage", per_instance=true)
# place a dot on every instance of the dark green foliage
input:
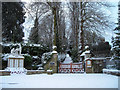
(116, 48)
(116, 42)
(58, 44)
(4, 64)
(12, 20)
(28, 62)
(29, 49)
(34, 37)
(74, 54)
(5, 49)
(101, 50)
(34, 67)
(46, 57)
(35, 51)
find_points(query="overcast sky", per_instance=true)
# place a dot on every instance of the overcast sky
(112, 11)
(114, 18)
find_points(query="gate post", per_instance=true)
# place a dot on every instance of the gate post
(70, 67)
(59, 67)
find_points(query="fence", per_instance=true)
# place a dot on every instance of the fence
(71, 68)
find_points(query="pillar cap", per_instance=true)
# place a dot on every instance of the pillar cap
(15, 56)
(54, 52)
(86, 52)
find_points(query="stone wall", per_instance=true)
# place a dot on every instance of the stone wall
(29, 72)
(4, 73)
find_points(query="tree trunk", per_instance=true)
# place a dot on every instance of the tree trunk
(81, 27)
(55, 25)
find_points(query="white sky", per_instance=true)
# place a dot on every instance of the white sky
(113, 11)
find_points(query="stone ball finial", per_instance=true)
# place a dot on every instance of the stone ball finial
(86, 47)
(54, 48)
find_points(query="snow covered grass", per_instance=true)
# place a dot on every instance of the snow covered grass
(60, 81)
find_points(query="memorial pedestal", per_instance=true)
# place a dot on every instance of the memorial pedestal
(16, 64)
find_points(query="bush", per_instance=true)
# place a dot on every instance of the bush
(61, 57)
(34, 67)
(46, 57)
(27, 61)
(74, 54)
(110, 66)
(31, 49)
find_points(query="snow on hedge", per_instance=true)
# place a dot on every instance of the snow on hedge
(35, 57)
(46, 57)
(23, 44)
(5, 57)
(61, 56)
(111, 70)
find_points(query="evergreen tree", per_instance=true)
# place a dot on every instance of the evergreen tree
(116, 48)
(34, 32)
(116, 44)
(12, 20)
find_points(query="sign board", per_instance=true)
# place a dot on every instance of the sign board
(89, 63)
(52, 63)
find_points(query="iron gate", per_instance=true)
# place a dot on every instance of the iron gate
(71, 68)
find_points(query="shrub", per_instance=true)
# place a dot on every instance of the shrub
(27, 61)
(74, 54)
(46, 57)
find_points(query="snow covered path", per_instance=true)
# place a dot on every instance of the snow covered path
(60, 81)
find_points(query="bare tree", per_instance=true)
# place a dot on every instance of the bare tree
(37, 10)
(74, 12)
(59, 24)
(87, 16)
(51, 22)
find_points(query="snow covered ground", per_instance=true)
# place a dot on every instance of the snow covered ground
(59, 81)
